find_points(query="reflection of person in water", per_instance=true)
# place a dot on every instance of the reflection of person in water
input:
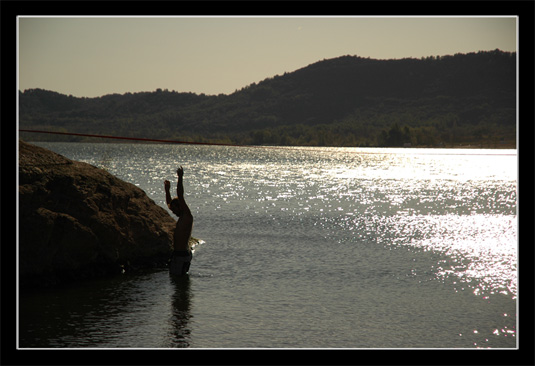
(181, 258)
(180, 332)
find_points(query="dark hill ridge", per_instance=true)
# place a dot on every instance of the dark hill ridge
(77, 221)
(355, 100)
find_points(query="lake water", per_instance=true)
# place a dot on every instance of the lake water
(306, 248)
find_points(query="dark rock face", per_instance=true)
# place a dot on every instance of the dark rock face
(77, 221)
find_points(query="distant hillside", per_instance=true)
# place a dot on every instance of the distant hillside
(345, 101)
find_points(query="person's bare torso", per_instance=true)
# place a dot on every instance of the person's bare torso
(182, 233)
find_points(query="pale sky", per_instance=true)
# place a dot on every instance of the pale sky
(95, 56)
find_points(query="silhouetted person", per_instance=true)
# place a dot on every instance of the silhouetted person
(181, 257)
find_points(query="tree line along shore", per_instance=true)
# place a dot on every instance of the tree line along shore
(463, 100)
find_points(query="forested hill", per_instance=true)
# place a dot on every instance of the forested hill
(345, 101)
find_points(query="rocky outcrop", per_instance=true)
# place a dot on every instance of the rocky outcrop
(78, 221)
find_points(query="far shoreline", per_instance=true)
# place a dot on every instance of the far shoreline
(499, 146)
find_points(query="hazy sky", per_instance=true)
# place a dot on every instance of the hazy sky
(91, 57)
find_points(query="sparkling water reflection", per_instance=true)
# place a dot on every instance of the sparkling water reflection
(318, 247)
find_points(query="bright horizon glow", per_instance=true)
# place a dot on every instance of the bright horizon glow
(94, 56)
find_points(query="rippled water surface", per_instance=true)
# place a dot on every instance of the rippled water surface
(306, 248)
